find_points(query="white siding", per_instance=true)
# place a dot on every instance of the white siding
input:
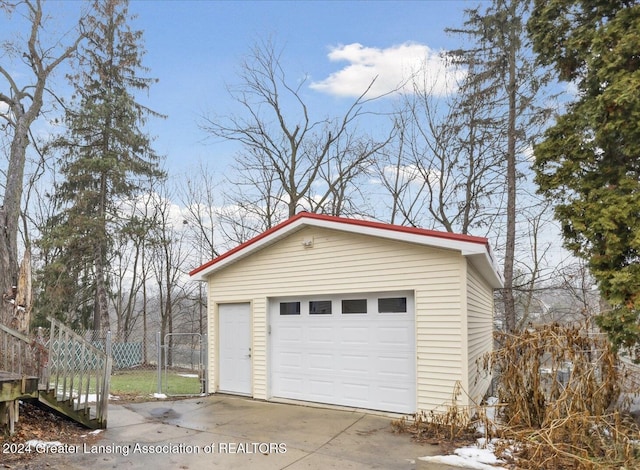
(480, 332)
(340, 263)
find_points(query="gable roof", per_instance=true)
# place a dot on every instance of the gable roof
(476, 249)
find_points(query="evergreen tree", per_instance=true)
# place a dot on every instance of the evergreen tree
(589, 162)
(500, 96)
(105, 158)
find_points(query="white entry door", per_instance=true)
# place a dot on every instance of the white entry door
(234, 348)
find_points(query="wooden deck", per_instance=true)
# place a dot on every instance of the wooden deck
(12, 388)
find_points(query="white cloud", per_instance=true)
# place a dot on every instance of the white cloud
(396, 69)
(411, 174)
(528, 154)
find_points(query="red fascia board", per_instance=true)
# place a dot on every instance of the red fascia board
(242, 246)
(342, 220)
(399, 228)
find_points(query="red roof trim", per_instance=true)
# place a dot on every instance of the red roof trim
(343, 220)
(242, 246)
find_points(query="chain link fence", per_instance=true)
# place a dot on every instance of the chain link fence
(182, 363)
(148, 364)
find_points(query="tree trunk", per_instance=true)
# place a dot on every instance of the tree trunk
(23, 117)
(144, 312)
(101, 307)
(508, 298)
(7, 270)
(10, 213)
(23, 301)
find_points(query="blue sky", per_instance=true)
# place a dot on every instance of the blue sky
(195, 49)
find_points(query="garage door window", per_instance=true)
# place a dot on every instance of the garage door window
(289, 308)
(354, 306)
(392, 305)
(320, 307)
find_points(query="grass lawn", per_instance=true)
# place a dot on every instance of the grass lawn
(145, 382)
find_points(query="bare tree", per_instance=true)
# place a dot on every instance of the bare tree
(445, 168)
(461, 160)
(170, 255)
(399, 178)
(503, 73)
(533, 271)
(200, 196)
(201, 199)
(337, 189)
(290, 161)
(582, 300)
(24, 102)
(131, 271)
(254, 202)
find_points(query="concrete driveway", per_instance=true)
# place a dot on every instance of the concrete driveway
(238, 433)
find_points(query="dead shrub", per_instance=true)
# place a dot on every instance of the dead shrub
(579, 441)
(558, 406)
(558, 386)
(450, 423)
(552, 371)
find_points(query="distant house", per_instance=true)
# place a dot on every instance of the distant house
(351, 312)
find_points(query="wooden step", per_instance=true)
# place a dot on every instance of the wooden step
(66, 407)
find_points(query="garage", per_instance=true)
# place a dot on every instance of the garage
(351, 312)
(356, 350)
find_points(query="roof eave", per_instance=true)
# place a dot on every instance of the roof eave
(477, 249)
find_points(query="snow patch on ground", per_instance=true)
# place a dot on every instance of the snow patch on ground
(41, 445)
(80, 398)
(476, 457)
(480, 456)
(90, 398)
(490, 411)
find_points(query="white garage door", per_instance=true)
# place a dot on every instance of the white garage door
(356, 350)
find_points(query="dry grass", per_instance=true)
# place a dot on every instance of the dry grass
(552, 372)
(449, 425)
(560, 406)
(560, 387)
